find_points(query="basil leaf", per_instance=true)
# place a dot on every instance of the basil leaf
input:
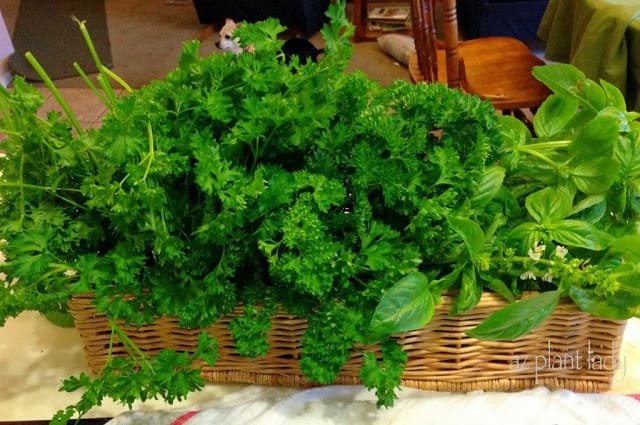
(579, 233)
(470, 292)
(608, 308)
(595, 175)
(469, 231)
(627, 152)
(489, 185)
(614, 95)
(549, 204)
(526, 235)
(553, 115)
(596, 138)
(628, 246)
(560, 78)
(516, 319)
(514, 133)
(408, 305)
(593, 94)
(497, 286)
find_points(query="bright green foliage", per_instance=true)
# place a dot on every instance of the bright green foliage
(235, 181)
(168, 374)
(384, 374)
(560, 214)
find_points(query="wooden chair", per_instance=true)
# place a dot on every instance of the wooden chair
(494, 68)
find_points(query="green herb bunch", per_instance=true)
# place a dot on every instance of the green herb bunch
(235, 181)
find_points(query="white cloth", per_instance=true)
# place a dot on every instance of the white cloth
(354, 405)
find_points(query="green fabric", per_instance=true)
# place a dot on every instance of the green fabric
(593, 36)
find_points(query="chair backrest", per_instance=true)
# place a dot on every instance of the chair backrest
(424, 33)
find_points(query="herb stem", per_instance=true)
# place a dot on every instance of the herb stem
(116, 78)
(22, 200)
(129, 345)
(5, 131)
(104, 83)
(88, 41)
(151, 155)
(54, 90)
(539, 155)
(550, 145)
(102, 77)
(90, 84)
(21, 184)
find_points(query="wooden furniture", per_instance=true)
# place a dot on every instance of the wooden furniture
(360, 19)
(495, 68)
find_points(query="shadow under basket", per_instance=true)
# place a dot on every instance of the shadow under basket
(571, 350)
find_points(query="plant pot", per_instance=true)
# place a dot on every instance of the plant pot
(571, 350)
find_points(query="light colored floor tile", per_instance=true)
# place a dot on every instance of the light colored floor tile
(84, 103)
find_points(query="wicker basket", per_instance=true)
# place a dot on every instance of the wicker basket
(571, 350)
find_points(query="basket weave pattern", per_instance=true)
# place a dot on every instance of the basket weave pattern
(571, 350)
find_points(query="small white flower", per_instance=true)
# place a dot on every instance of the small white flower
(548, 277)
(528, 275)
(534, 255)
(561, 251)
(70, 272)
(536, 252)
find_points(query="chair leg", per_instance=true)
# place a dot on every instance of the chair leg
(360, 8)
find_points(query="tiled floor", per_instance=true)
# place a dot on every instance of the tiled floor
(87, 107)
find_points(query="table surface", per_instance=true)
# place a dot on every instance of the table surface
(37, 356)
(600, 37)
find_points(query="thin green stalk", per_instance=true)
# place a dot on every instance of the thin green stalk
(11, 132)
(104, 72)
(54, 90)
(112, 340)
(22, 201)
(23, 185)
(54, 191)
(538, 155)
(150, 156)
(104, 83)
(129, 345)
(550, 145)
(88, 41)
(116, 78)
(90, 84)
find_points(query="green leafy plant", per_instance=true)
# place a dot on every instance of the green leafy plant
(235, 181)
(557, 214)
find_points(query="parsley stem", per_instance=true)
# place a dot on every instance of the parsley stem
(116, 78)
(104, 83)
(22, 201)
(102, 69)
(53, 191)
(128, 344)
(88, 41)
(90, 84)
(54, 90)
(5, 131)
(150, 156)
(21, 184)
